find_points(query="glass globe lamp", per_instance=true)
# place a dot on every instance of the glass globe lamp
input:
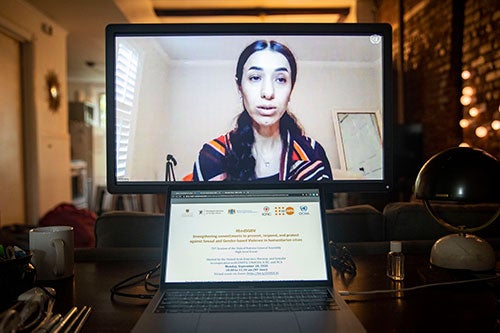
(461, 175)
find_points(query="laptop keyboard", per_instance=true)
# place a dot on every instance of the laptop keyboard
(254, 300)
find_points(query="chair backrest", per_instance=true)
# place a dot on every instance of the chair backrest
(360, 223)
(411, 221)
(129, 229)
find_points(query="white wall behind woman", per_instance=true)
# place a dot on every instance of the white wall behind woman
(202, 99)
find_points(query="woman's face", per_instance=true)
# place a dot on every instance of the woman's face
(266, 86)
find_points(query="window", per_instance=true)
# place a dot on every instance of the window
(127, 68)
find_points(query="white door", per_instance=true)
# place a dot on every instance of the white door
(12, 200)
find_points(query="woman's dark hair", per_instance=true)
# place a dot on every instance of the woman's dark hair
(239, 162)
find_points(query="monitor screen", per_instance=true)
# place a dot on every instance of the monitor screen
(240, 103)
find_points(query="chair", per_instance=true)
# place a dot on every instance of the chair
(129, 229)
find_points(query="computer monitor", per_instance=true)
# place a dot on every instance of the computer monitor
(240, 103)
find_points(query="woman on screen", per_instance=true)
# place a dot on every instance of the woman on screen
(267, 143)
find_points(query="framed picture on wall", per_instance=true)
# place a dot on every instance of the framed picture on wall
(359, 142)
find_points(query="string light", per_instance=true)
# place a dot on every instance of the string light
(468, 91)
(464, 123)
(465, 100)
(495, 124)
(481, 132)
(473, 112)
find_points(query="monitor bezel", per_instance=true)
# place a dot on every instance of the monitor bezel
(292, 29)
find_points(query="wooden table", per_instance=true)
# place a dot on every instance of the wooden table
(93, 281)
(468, 307)
(459, 308)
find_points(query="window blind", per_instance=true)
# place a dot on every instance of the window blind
(127, 63)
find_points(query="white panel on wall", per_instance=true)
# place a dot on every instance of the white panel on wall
(12, 205)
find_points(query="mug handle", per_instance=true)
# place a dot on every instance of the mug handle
(59, 266)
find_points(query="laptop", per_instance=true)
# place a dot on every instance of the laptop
(246, 260)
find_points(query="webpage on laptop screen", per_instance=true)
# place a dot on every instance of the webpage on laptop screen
(267, 239)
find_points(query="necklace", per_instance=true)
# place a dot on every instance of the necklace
(267, 158)
(267, 162)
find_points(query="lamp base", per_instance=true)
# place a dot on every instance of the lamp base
(463, 251)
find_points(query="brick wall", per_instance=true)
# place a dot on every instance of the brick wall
(430, 91)
(481, 56)
(437, 45)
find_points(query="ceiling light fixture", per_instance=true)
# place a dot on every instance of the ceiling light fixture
(342, 12)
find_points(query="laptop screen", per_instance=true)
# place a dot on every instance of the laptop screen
(245, 235)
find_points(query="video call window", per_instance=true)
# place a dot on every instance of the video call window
(172, 95)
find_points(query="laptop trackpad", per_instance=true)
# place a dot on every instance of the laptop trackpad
(248, 322)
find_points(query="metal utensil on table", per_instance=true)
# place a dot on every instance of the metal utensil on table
(83, 320)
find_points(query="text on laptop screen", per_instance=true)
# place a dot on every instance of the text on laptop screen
(248, 102)
(245, 235)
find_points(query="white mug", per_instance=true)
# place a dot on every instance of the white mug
(52, 252)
